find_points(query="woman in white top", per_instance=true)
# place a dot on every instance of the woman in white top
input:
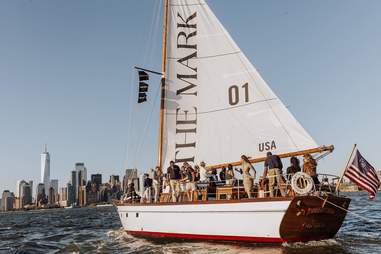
(166, 188)
(157, 175)
(203, 172)
(248, 180)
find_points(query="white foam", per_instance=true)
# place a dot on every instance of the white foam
(321, 243)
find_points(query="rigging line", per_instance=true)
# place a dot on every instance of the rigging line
(148, 56)
(129, 115)
(353, 213)
(210, 56)
(157, 23)
(223, 109)
(148, 121)
(149, 42)
(127, 137)
(200, 4)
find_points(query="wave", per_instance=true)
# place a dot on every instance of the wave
(321, 243)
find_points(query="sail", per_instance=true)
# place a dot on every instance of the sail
(217, 106)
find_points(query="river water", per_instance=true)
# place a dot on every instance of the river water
(98, 230)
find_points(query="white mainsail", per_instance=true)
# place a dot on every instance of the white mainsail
(217, 106)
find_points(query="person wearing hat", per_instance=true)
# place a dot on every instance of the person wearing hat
(248, 179)
(273, 171)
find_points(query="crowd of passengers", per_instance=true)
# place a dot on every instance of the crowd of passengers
(188, 179)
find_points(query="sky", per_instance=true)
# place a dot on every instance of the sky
(67, 78)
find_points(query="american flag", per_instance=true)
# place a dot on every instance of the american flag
(363, 174)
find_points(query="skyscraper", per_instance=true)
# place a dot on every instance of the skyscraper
(41, 196)
(82, 173)
(18, 185)
(31, 186)
(54, 184)
(71, 194)
(74, 184)
(7, 200)
(23, 193)
(45, 168)
(114, 179)
(97, 180)
(78, 178)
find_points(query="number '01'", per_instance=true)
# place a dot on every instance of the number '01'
(234, 94)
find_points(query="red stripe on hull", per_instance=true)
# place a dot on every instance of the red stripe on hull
(208, 237)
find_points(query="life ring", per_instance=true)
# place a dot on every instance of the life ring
(302, 183)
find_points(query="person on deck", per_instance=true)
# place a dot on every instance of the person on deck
(157, 177)
(223, 175)
(190, 183)
(213, 176)
(309, 167)
(183, 176)
(248, 180)
(173, 173)
(203, 172)
(197, 173)
(273, 171)
(293, 168)
(230, 178)
(147, 197)
(131, 193)
(166, 188)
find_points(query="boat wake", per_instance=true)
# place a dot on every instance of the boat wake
(123, 241)
(321, 243)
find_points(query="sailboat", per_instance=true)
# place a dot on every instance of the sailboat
(215, 107)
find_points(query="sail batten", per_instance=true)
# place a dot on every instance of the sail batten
(222, 109)
(217, 104)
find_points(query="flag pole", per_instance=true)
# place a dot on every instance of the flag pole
(346, 166)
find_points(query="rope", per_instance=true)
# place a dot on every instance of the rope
(144, 133)
(132, 150)
(353, 213)
(130, 98)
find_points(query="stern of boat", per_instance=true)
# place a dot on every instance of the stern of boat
(313, 218)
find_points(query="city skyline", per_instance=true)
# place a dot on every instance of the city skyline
(67, 79)
(77, 192)
(55, 183)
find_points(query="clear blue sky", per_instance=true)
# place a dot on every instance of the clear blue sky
(66, 77)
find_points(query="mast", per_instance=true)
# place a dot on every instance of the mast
(162, 85)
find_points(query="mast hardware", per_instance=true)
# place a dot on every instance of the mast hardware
(147, 70)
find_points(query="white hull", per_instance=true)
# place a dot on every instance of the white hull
(253, 221)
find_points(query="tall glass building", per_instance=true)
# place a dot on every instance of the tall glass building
(45, 169)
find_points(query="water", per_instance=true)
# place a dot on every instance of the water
(98, 230)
